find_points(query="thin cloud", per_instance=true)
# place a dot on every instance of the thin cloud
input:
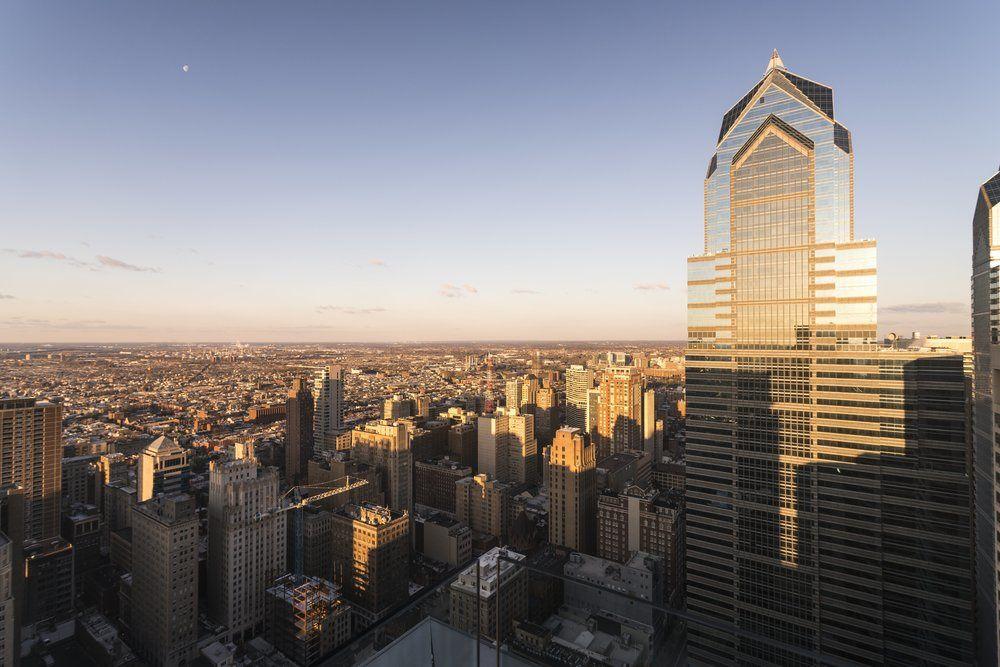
(453, 291)
(928, 307)
(6, 296)
(113, 263)
(62, 324)
(650, 287)
(349, 310)
(524, 291)
(378, 262)
(49, 255)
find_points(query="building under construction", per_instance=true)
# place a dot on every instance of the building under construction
(306, 618)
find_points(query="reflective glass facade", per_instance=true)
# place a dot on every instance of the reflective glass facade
(827, 489)
(986, 450)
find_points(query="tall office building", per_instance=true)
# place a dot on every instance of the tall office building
(572, 490)
(485, 505)
(163, 467)
(165, 580)
(299, 408)
(246, 543)
(545, 415)
(649, 423)
(490, 595)
(522, 448)
(31, 457)
(491, 454)
(826, 478)
(329, 407)
(986, 429)
(579, 381)
(385, 445)
(619, 417)
(371, 550)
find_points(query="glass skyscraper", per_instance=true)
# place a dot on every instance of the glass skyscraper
(828, 500)
(986, 438)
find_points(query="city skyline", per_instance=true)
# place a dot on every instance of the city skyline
(299, 173)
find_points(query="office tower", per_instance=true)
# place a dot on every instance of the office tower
(81, 527)
(78, 473)
(484, 504)
(434, 481)
(579, 381)
(592, 413)
(529, 394)
(545, 415)
(491, 438)
(492, 598)
(619, 417)
(246, 543)
(163, 468)
(421, 406)
(826, 478)
(386, 446)
(30, 456)
(463, 444)
(644, 519)
(371, 550)
(48, 581)
(649, 423)
(306, 618)
(617, 471)
(165, 580)
(522, 449)
(397, 407)
(11, 572)
(299, 431)
(986, 430)
(572, 490)
(442, 538)
(329, 408)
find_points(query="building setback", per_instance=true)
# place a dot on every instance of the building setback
(827, 482)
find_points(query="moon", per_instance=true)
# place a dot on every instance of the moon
(185, 68)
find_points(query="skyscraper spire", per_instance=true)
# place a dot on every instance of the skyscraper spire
(775, 62)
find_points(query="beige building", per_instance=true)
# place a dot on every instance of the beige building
(385, 445)
(31, 455)
(163, 468)
(619, 418)
(489, 588)
(165, 580)
(507, 449)
(246, 549)
(484, 504)
(572, 487)
(306, 618)
(435, 482)
(328, 406)
(443, 539)
(371, 551)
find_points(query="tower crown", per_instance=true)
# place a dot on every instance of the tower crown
(775, 62)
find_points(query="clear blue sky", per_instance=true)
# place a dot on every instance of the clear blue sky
(354, 170)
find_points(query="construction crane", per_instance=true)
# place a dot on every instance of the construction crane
(294, 501)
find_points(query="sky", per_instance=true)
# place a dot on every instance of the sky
(397, 171)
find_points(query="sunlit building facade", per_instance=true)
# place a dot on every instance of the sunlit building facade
(827, 498)
(986, 450)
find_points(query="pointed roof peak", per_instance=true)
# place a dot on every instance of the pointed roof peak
(775, 62)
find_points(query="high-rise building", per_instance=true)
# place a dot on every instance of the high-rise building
(592, 413)
(463, 445)
(8, 604)
(299, 431)
(491, 437)
(329, 407)
(522, 448)
(306, 618)
(826, 478)
(48, 581)
(491, 593)
(649, 423)
(31, 456)
(484, 504)
(986, 429)
(579, 381)
(385, 445)
(371, 550)
(163, 467)
(545, 415)
(11, 573)
(572, 483)
(246, 543)
(435, 482)
(644, 519)
(513, 393)
(619, 417)
(165, 580)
